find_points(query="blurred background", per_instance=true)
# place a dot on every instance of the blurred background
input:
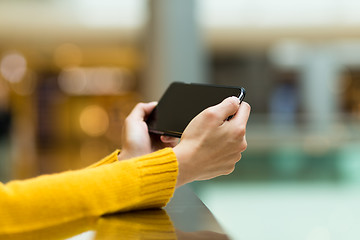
(71, 71)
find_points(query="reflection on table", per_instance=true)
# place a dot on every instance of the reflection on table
(185, 217)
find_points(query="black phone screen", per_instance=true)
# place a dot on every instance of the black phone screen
(181, 102)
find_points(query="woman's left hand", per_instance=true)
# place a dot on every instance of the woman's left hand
(136, 139)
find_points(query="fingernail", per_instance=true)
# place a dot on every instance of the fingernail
(237, 99)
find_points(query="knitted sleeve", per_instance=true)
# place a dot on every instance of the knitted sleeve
(106, 160)
(138, 183)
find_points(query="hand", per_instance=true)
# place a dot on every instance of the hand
(210, 145)
(135, 137)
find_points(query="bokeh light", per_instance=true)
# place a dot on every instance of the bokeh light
(94, 120)
(13, 67)
(72, 81)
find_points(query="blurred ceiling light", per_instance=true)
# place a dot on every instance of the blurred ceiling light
(95, 81)
(13, 67)
(68, 55)
(94, 120)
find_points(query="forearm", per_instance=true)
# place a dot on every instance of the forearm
(142, 182)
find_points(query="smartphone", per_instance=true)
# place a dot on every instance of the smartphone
(181, 102)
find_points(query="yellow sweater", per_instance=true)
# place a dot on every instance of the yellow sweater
(105, 187)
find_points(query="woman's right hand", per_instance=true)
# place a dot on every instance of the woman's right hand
(211, 145)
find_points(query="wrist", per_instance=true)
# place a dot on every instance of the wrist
(184, 168)
(123, 155)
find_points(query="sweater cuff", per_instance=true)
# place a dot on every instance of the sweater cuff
(113, 157)
(158, 172)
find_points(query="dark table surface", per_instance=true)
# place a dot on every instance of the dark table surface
(185, 217)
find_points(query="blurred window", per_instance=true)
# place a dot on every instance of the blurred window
(278, 13)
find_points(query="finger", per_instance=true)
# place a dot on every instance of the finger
(226, 108)
(169, 141)
(141, 110)
(242, 115)
(166, 139)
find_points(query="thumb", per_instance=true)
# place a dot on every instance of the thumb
(141, 110)
(228, 107)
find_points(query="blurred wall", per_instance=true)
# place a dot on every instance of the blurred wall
(72, 70)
